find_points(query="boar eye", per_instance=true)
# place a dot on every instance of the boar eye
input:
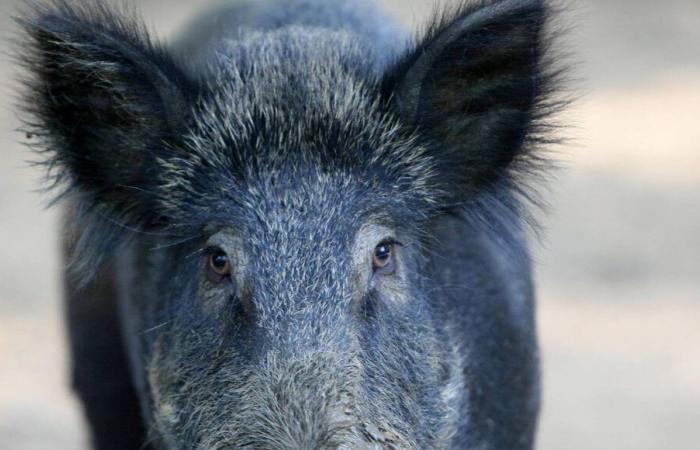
(383, 257)
(218, 265)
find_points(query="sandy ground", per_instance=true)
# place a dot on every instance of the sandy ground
(619, 271)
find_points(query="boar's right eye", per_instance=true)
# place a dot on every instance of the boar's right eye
(218, 265)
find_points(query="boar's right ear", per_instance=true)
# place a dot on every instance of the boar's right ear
(105, 101)
(477, 89)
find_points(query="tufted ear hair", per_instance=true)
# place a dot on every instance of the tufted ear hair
(105, 100)
(476, 88)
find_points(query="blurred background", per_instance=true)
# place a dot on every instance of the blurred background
(618, 272)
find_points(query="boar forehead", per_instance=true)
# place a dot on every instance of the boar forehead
(290, 108)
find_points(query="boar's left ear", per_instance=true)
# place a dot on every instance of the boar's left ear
(104, 100)
(475, 87)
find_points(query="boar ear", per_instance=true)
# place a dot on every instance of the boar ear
(104, 100)
(475, 87)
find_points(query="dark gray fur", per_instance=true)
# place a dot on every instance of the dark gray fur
(296, 136)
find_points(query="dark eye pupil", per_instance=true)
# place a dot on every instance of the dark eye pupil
(219, 261)
(383, 252)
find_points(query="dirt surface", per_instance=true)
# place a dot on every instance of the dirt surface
(618, 274)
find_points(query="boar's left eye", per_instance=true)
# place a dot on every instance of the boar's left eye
(383, 259)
